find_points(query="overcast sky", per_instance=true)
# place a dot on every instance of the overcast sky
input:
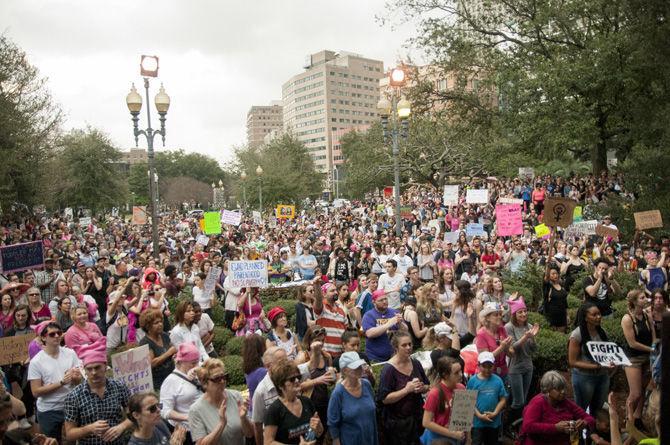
(217, 58)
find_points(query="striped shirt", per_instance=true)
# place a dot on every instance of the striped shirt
(334, 321)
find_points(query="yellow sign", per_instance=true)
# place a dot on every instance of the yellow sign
(542, 230)
(285, 211)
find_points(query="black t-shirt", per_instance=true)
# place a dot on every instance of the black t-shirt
(160, 372)
(289, 427)
(601, 298)
(437, 354)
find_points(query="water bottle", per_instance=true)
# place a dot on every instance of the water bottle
(310, 435)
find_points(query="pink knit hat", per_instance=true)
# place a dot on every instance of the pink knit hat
(188, 352)
(378, 294)
(325, 287)
(96, 352)
(516, 305)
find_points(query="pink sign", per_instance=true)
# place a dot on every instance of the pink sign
(508, 218)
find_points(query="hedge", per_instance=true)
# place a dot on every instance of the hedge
(221, 337)
(287, 305)
(234, 369)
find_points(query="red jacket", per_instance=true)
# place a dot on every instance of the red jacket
(540, 419)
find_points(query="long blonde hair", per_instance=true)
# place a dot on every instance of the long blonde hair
(425, 304)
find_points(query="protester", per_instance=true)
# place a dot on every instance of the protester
(492, 337)
(144, 412)
(443, 341)
(279, 335)
(600, 286)
(253, 348)
(186, 330)
(330, 317)
(161, 351)
(555, 300)
(378, 324)
(465, 312)
(391, 282)
(83, 332)
(64, 313)
(491, 400)
(249, 304)
(39, 311)
(181, 388)
(304, 314)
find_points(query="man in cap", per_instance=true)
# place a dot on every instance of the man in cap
(377, 323)
(95, 410)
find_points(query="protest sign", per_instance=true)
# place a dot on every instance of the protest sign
(388, 192)
(607, 232)
(558, 212)
(474, 229)
(14, 349)
(272, 222)
(406, 212)
(212, 223)
(435, 223)
(285, 211)
(258, 218)
(203, 240)
(479, 196)
(526, 172)
(542, 230)
(248, 273)
(450, 196)
(133, 368)
(139, 216)
(510, 201)
(210, 282)
(230, 217)
(508, 217)
(451, 237)
(651, 219)
(86, 221)
(24, 256)
(606, 353)
(463, 410)
(578, 214)
(581, 229)
(69, 213)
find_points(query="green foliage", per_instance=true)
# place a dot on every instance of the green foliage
(282, 293)
(221, 337)
(539, 319)
(552, 350)
(219, 315)
(527, 281)
(234, 369)
(287, 305)
(234, 345)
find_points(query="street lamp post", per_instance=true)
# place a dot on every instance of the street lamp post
(243, 177)
(336, 179)
(398, 110)
(149, 68)
(218, 198)
(259, 172)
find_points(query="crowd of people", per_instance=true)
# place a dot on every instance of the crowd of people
(344, 370)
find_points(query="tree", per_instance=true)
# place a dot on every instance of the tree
(88, 171)
(583, 77)
(29, 123)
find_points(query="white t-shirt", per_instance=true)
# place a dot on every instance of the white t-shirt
(52, 370)
(206, 325)
(205, 301)
(387, 283)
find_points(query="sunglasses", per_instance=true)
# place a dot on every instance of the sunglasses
(155, 407)
(295, 379)
(219, 378)
(319, 332)
(54, 334)
(33, 295)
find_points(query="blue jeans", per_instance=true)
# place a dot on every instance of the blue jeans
(51, 423)
(590, 390)
(520, 384)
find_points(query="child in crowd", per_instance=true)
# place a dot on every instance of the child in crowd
(491, 398)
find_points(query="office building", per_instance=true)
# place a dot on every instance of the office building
(263, 120)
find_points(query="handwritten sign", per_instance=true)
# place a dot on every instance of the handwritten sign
(203, 240)
(212, 223)
(450, 196)
(477, 196)
(248, 273)
(86, 221)
(526, 172)
(606, 353)
(258, 218)
(210, 282)
(581, 229)
(14, 349)
(558, 212)
(542, 231)
(133, 368)
(474, 229)
(607, 232)
(285, 211)
(508, 217)
(230, 217)
(578, 214)
(139, 216)
(24, 256)
(651, 219)
(516, 201)
(463, 410)
(451, 237)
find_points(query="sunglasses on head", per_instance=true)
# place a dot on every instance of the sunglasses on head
(155, 407)
(219, 378)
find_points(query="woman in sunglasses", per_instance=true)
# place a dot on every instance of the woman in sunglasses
(145, 414)
(220, 415)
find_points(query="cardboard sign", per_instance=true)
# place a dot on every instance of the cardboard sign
(480, 196)
(606, 353)
(515, 201)
(581, 229)
(509, 222)
(258, 219)
(474, 229)
(139, 216)
(450, 196)
(210, 282)
(24, 256)
(14, 349)
(651, 219)
(212, 223)
(272, 223)
(542, 230)
(285, 211)
(133, 368)
(406, 212)
(203, 240)
(463, 410)
(578, 214)
(451, 237)
(248, 273)
(230, 217)
(607, 232)
(558, 212)
(526, 172)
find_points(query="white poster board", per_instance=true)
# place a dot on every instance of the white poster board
(210, 282)
(581, 229)
(248, 273)
(85, 221)
(477, 196)
(451, 237)
(450, 196)
(230, 217)
(463, 410)
(133, 368)
(607, 352)
(510, 201)
(203, 240)
(526, 172)
(435, 223)
(258, 219)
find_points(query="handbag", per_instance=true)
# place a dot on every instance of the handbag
(239, 321)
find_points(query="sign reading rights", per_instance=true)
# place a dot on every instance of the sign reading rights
(133, 368)
(248, 273)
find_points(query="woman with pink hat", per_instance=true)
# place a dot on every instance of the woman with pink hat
(521, 364)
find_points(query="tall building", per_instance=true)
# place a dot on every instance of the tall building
(336, 92)
(261, 121)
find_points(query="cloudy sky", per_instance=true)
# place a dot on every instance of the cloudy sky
(217, 57)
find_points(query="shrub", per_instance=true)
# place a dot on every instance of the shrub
(234, 346)
(628, 281)
(271, 294)
(221, 336)
(219, 315)
(234, 369)
(530, 278)
(536, 318)
(287, 305)
(552, 351)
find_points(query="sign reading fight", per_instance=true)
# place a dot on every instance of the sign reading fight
(607, 353)
(133, 368)
(509, 221)
(248, 273)
(285, 211)
(463, 410)
(17, 257)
